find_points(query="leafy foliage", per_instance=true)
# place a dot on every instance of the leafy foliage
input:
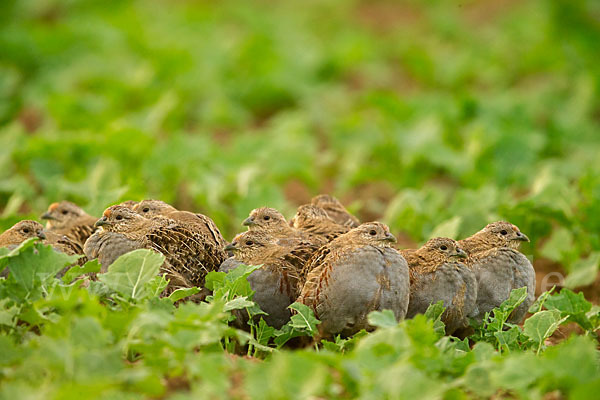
(221, 107)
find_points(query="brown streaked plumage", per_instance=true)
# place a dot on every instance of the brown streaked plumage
(196, 222)
(354, 274)
(315, 221)
(499, 267)
(276, 283)
(272, 222)
(335, 210)
(494, 235)
(187, 256)
(68, 219)
(436, 274)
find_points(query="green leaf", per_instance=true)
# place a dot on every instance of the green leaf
(572, 305)
(33, 266)
(434, 313)
(540, 301)
(157, 285)
(238, 303)
(8, 313)
(214, 280)
(542, 325)
(568, 302)
(92, 266)
(183, 293)
(382, 319)
(130, 273)
(304, 319)
(264, 332)
(583, 272)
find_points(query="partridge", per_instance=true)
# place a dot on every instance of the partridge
(275, 283)
(68, 219)
(335, 210)
(20, 232)
(499, 267)
(354, 274)
(436, 275)
(315, 221)
(196, 222)
(270, 220)
(27, 229)
(187, 257)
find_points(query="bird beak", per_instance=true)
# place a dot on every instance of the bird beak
(522, 237)
(41, 235)
(390, 238)
(230, 247)
(460, 253)
(249, 221)
(47, 215)
(102, 221)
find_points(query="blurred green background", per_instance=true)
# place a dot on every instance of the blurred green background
(436, 117)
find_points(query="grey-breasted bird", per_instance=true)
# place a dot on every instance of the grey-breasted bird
(354, 274)
(499, 267)
(68, 219)
(437, 273)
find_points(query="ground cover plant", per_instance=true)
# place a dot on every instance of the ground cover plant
(434, 117)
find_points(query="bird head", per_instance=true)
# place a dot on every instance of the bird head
(60, 215)
(307, 214)
(22, 231)
(442, 249)
(503, 234)
(250, 246)
(149, 208)
(120, 219)
(267, 219)
(374, 233)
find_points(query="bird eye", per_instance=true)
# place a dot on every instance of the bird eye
(372, 232)
(146, 209)
(119, 217)
(65, 212)
(444, 247)
(249, 242)
(503, 232)
(26, 230)
(266, 218)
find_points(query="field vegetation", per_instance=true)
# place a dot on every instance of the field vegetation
(434, 117)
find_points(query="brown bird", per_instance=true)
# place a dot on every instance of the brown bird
(196, 222)
(355, 274)
(315, 221)
(20, 232)
(270, 220)
(499, 267)
(68, 219)
(335, 210)
(187, 257)
(436, 275)
(276, 283)
(27, 229)
(273, 223)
